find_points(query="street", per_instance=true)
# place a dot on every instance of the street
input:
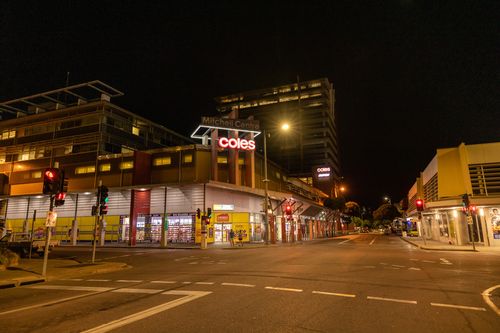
(356, 283)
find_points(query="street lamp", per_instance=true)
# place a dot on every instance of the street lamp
(284, 127)
(387, 199)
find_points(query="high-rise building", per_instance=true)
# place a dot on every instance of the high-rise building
(309, 109)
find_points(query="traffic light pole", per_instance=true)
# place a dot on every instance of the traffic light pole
(96, 221)
(47, 240)
(422, 226)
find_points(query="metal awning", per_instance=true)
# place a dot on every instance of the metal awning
(59, 98)
(312, 211)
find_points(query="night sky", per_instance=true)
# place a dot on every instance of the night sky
(410, 76)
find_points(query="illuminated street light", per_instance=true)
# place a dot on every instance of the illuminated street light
(284, 127)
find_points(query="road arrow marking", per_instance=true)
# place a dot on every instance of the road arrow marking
(188, 297)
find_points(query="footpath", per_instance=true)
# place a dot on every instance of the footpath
(29, 271)
(440, 246)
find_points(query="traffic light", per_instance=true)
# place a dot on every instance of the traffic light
(103, 195)
(420, 205)
(198, 213)
(207, 220)
(59, 199)
(465, 201)
(51, 181)
(473, 209)
(103, 209)
(209, 212)
(288, 209)
(63, 187)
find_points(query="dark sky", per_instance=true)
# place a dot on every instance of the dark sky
(410, 76)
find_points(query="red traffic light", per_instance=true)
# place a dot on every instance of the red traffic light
(473, 209)
(420, 205)
(50, 174)
(60, 196)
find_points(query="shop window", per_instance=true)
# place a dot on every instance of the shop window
(105, 167)
(221, 159)
(84, 169)
(187, 158)
(127, 165)
(36, 174)
(164, 160)
(135, 130)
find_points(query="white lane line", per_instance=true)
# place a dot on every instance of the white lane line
(383, 263)
(391, 300)
(70, 279)
(486, 297)
(57, 301)
(188, 297)
(97, 280)
(237, 284)
(132, 281)
(167, 282)
(398, 266)
(332, 294)
(373, 240)
(414, 269)
(208, 283)
(285, 289)
(344, 241)
(445, 262)
(463, 307)
(193, 263)
(137, 291)
(76, 288)
(429, 261)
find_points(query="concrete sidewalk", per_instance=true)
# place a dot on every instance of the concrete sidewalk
(439, 246)
(29, 271)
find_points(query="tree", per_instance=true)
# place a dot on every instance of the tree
(385, 214)
(334, 203)
(352, 209)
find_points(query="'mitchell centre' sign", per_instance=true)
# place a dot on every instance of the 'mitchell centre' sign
(224, 123)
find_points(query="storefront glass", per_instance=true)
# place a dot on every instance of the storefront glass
(181, 228)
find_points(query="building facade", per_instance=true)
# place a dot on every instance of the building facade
(155, 183)
(309, 108)
(453, 172)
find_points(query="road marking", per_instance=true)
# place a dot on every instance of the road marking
(193, 263)
(414, 269)
(98, 280)
(285, 289)
(132, 281)
(429, 261)
(383, 263)
(332, 294)
(238, 284)
(61, 300)
(486, 297)
(344, 241)
(397, 266)
(169, 282)
(137, 291)
(204, 283)
(391, 300)
(188, 297)
(445, 262)
(125, 255)
(458, 306)
(76, 288)
(70, 279)
(414, 259)
(373, 240)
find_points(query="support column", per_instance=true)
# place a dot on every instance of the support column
(283, 230)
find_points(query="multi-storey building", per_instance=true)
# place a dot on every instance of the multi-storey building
(309, 108)
(156, 179)
(453, 172)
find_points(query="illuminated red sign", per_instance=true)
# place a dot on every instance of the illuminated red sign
(236, 143)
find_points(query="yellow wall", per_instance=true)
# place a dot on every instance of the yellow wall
(483, 153)
(451, 180)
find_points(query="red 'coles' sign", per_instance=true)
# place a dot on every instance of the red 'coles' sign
(236, 143)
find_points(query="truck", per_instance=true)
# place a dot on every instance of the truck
(21, 243)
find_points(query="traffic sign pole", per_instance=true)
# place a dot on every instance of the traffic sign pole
(47, 239)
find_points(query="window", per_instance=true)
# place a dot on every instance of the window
(8, 134)
(164, 160)
(221, 159)
(36, 174)
(84, 169)
(135, 130)
(127, 165)
(105, 167)
(2, 158)
(126, 150)
(187, 158)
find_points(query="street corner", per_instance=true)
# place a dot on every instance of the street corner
(72, 270)
(491, 296)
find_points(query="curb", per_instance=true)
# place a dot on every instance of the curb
(434, 248)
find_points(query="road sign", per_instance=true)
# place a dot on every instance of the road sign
(51, 219)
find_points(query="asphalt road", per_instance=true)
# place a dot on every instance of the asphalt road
(363, 283)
